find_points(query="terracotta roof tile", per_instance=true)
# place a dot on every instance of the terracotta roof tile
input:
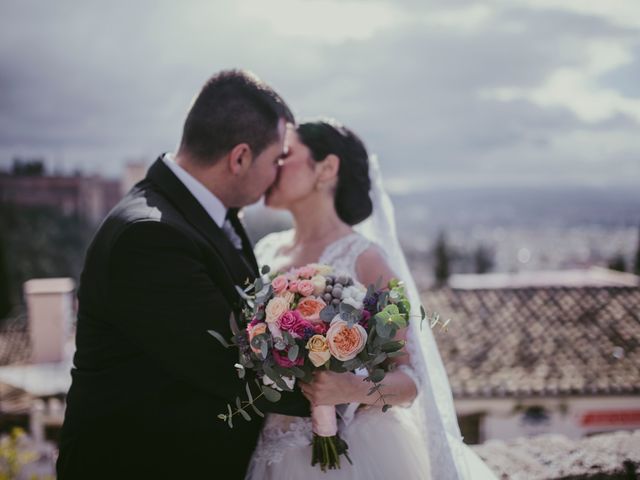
(540, 340)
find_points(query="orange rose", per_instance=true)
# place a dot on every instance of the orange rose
(310, 308)
(344, 342)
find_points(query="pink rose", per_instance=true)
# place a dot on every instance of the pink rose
(307, 271)
(305, 288)
(293, 322)
(288, 320)
(321, 328)
(303, 329)
(279, 284)
(293, 286)
(344, 342)
(282, 359)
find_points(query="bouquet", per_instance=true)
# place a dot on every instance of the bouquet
(308, 319)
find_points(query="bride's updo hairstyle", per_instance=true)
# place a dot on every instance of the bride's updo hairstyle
(325, 137)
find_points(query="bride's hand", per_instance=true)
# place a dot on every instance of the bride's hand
(330, 388)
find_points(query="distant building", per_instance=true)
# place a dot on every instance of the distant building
(527, 358)
(90, 197)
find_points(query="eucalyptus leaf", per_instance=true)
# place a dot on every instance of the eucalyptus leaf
(257, 412)
(242, 293)
(346, 308)
(399, 353)
(238, 403)
(377, 375)
(352, 364)
(293, 352)
(248, 390)
(288, 338)
(298, 372)
(264, 349)
(245, 415)
(233, 324)
(219, 337)
(240, 369)
(381, 357)
(271, 394)
(392, 346)
(229, 421)
(328, 313)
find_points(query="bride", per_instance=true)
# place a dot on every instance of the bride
(343, 218)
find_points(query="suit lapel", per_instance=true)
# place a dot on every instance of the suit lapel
(162, 176)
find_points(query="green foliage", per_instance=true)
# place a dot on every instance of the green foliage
(14, 456)
(41, 242)
(618, 263)
(483, 260)
(5, 293)
(443, 260)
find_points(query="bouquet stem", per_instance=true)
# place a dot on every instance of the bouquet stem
(327, 446)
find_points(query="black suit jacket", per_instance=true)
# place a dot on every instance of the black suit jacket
(148, 380)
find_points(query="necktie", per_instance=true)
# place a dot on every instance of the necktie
(230, 231)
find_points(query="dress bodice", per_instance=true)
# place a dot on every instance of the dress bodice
(342, 254)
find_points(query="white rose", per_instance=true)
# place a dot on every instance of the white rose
(319, 284)
(275, 308)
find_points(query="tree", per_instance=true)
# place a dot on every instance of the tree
(5, 291)
(618, 263)
(483, 259)
(442, 257)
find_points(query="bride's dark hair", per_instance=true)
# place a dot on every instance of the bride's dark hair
(325, 137)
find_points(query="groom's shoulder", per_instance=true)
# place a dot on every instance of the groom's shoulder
(143, 209)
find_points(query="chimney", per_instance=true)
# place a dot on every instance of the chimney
(50, 309)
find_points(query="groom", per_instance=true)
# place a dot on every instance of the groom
(149, 381)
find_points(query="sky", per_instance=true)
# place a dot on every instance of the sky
(445, 92)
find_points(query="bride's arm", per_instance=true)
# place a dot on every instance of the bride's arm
(329, 388)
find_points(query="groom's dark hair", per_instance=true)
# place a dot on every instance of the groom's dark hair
(233, 107)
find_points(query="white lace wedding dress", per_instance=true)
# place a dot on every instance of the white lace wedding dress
(382, 446)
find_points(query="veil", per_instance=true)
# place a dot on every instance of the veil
(433, 409)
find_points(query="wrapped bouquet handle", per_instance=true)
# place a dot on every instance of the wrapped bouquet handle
(327, 445)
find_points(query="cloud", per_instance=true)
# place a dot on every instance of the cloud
(445, 92)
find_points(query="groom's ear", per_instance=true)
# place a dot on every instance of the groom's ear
(240, 158)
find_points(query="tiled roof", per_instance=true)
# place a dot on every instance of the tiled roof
(539, 341)
(15, 347)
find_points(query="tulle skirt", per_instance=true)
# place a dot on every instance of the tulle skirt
(381, 446)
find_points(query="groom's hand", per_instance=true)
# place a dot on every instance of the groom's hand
(330, 388)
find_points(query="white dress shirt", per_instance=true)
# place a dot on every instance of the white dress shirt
(212, 204)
